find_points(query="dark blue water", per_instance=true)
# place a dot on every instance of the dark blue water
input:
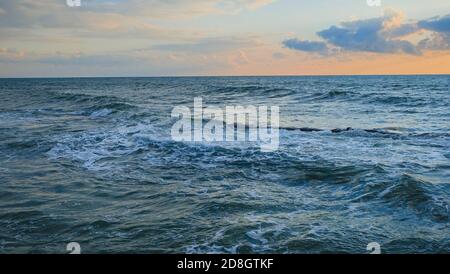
(361, 159)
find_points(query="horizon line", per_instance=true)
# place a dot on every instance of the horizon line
(223, 76)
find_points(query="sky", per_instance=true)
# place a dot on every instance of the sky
(58, 38)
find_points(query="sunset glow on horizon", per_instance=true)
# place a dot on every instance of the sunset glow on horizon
(216, 37)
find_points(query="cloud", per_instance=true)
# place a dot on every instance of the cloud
(437, 41)
(112, 23)
(104, 34)
(179, 8)
(47, 15)
(239, 5)
(440, 37)
(57, 14)
(308, 46)
(385, 34)
(115, 64)
(209, 45)
(437, 24)
(110, 19)
(371, 35)
(84, 60)
(11, 55)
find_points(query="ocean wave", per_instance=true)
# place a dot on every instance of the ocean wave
(93, 105)
(331, 95)
(419, 195)
(348, 171)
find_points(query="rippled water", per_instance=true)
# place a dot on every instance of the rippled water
(361, 159)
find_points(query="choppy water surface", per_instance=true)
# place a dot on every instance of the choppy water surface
(92, 161)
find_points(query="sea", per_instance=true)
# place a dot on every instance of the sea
(361, 159)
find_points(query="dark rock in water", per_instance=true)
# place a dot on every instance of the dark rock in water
(337, 130)
(308, 129)
(304, 129)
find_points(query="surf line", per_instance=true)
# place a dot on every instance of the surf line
(232, 124)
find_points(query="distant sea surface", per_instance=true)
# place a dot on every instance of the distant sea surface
(361, 159)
